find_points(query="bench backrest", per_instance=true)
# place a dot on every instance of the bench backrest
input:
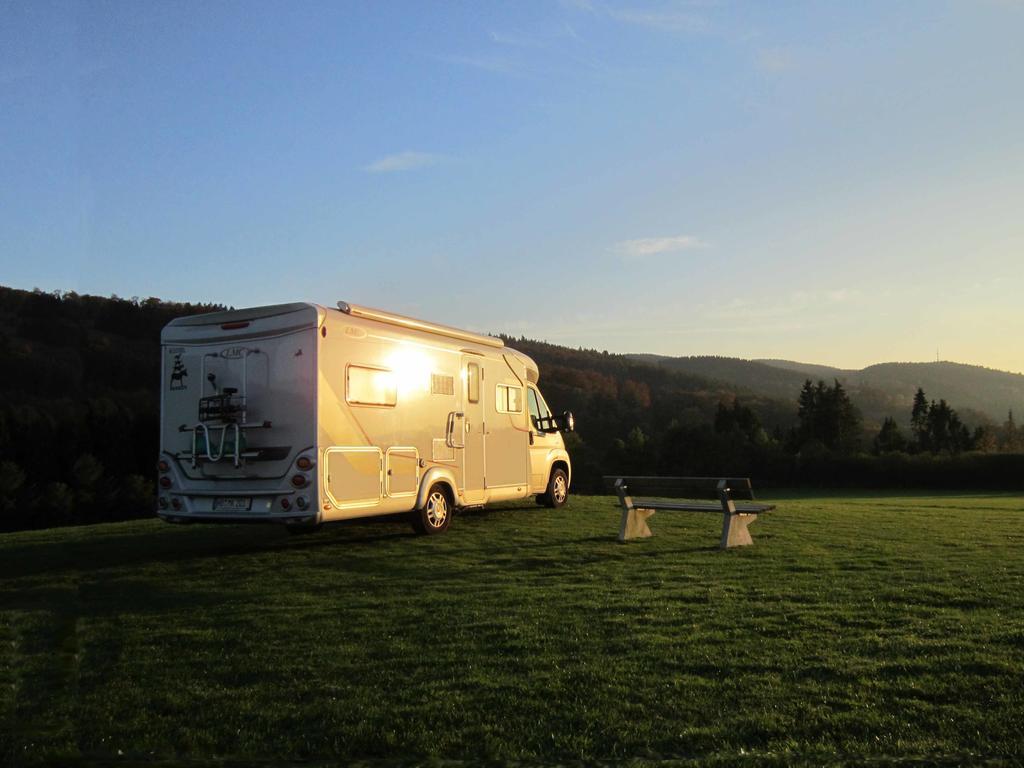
(682, 487)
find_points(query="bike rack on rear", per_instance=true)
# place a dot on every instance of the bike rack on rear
(224, 411)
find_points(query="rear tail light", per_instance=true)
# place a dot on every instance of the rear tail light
(299, 480)
(176, 502)
(163, 466)
(285, 504)
(301, 502)
(165, 482)
(304, 463)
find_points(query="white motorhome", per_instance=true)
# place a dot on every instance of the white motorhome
(303, 414)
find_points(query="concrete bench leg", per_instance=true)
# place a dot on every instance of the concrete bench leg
(734, 530)
(634, 524)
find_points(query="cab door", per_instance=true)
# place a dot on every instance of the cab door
(541, 443)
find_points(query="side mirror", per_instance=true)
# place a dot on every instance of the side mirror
(550, 424)
(568, 422)
(545, 425)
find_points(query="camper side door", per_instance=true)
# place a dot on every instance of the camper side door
(471, 430)
(507, 453)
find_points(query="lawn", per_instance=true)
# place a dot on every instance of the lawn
(858, 627)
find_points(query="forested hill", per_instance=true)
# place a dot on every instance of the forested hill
(882, 390)
(618, 392)
(80, 386)
(62, 345)
(750, 375)
(79, 399)
(985, 390)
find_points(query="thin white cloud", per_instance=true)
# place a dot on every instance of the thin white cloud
(403, 161)
(654, 246)
(541, 38)
(666, 21)
(517, 39)
(498, 64)
(802, 307)
(677, 17)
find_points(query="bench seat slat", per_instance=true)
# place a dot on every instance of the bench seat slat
(698, 506)
(682, 487)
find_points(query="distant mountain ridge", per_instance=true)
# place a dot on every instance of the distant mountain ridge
(884, 389)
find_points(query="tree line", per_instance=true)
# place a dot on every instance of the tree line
(79, 406)
(690, 426)
(79, 419)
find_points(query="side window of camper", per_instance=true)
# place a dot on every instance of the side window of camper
(473, 382)
(508, 399)
(370, 386)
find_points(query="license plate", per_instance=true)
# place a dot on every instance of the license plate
(232, 504)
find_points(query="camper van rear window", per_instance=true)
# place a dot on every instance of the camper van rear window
(508, 399)
(371, 386)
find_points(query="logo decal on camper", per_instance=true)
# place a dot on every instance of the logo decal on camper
(178, 374)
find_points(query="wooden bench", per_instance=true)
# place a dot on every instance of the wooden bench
(736, 516)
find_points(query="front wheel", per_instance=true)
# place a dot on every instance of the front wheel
(558, 490)
(436, 514)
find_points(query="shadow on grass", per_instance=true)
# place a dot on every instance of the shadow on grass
(199, 541)
(158, 544)
(181, 543)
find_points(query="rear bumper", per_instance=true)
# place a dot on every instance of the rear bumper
(235, 501)
(178, 518)
(182, 506)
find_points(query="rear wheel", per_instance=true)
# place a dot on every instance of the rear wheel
(558, 490)
(436, 514)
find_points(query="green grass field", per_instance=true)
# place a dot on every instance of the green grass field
(857, 627)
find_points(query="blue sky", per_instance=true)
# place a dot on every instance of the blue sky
(834, 182)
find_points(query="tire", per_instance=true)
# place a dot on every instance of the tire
(436, 514)
(558, 490)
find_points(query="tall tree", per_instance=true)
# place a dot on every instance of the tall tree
(919, 420)
(889, 438)
(739, 418)
(826, 414)
(1012, 441)
(984, 439)
(946, 433)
